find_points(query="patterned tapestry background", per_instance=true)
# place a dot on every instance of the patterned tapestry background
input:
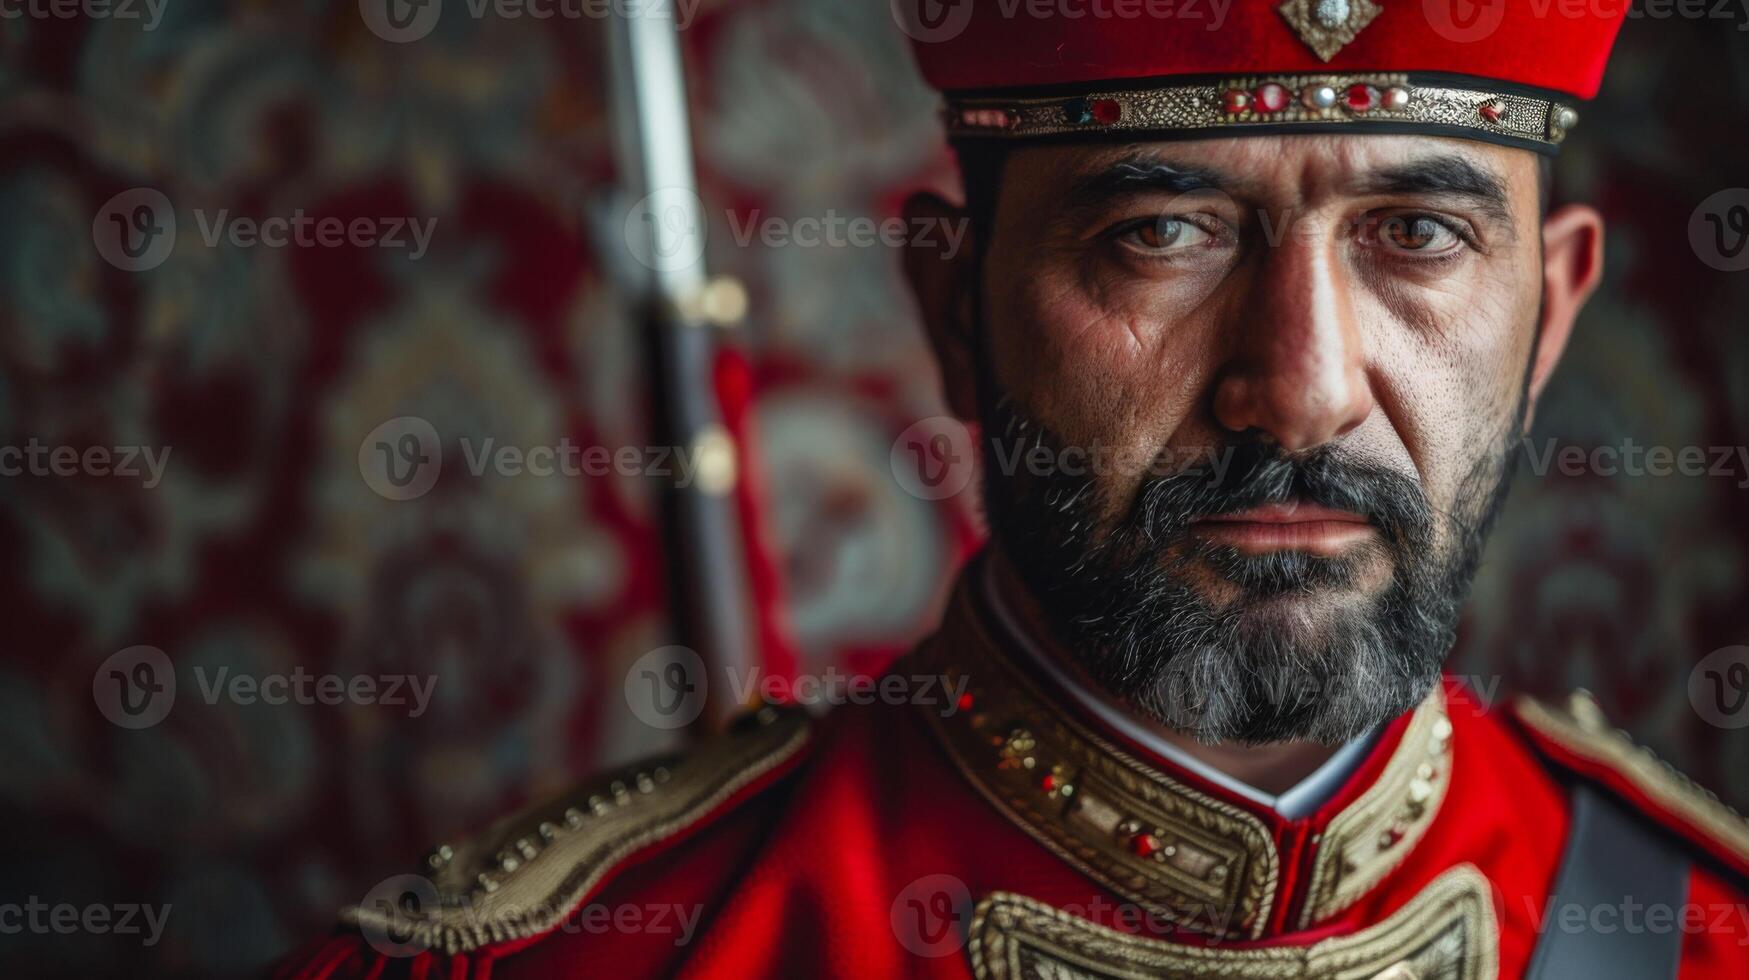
(262, 550)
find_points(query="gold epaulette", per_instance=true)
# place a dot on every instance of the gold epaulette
(525, 873)
(1609, 755)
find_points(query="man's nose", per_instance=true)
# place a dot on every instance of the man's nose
(1296, 370)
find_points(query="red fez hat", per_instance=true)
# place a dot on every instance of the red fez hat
(1504, 71)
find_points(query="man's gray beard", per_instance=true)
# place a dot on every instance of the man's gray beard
(1125, 611)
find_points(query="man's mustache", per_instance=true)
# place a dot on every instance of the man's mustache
(1254, 474)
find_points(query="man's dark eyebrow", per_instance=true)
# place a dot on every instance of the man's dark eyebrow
(1139, 175)
(1447, 175)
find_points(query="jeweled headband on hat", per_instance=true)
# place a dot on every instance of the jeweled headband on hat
(1490, 70)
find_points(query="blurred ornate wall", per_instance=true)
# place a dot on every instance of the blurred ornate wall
(262, 549)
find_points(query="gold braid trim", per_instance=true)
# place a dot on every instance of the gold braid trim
(1372, 836)
(1448, 931)
(1216, 869)
(1582, 730)
(525, 873)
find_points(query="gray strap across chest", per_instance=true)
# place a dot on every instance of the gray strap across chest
(1615, 867)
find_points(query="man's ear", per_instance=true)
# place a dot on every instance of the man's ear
(942, 270)
(1572, 266)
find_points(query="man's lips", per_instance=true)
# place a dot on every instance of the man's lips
(1291, 526)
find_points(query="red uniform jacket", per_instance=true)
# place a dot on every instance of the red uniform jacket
(998, 833)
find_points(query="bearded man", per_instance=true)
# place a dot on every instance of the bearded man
(1254, 324)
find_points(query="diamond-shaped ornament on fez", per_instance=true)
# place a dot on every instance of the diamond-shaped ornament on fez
(1328, 25)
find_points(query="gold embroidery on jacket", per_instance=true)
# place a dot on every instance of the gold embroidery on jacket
(1209, 866)
(523, 875)
(1447, 932)
(1201, 863)
(1372, 836)
(1583, 730)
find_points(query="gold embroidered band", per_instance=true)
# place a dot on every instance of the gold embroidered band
(1393, 102)
(1447, 931)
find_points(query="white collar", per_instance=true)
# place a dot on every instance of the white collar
(1303, 799)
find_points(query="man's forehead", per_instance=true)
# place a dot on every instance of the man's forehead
(1266, 165)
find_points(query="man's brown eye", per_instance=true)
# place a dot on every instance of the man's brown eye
(1166, 234)
(1161, 234)
(1415, 233)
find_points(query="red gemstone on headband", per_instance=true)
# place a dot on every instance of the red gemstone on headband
(1362, 98)
(1105, 111)
(1236, 101)
(1271, 97)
